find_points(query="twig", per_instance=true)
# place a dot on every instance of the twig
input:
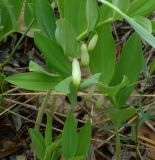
(129, 122)
(63, 94)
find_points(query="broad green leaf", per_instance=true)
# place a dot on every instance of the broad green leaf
(112, 91)
(50, 150)
(69, 137)
(90, 81)
(145, 22)
(131, 60)
(141, 7)
(118, 116)
(66, 37)
(153, 26)
(91, 14)
(33, 81)
(137, 27)
(34, 67)
(38, 143)
(105, 13)
(64, 86)
(54, 56)
(48, 153)
(45, 18)
(29, 13)
(84, 138)
(78, 158)
(75, 13)
(48, 131)
(56, 154)
(123, 5)
(11, 12)
(103, 56)
(17, 7)
(5, 23)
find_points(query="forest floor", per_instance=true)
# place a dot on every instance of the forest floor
(18, 109)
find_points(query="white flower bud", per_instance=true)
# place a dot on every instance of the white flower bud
(84, 55)
(76, 73)
(93, 42)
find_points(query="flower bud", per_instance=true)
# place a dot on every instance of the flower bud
(84, 55)
(93, 42)
(76, 73)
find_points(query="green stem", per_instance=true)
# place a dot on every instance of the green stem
(85, 33)
(82, 35)
(118, 145)
(41, 110)
(17, 45)
(104, 22)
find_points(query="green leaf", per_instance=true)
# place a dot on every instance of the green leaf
(45, 18)
(33, 81)
(141, 7)
(112, 91)
(54, 56)
(131, 60)
(69, 137)
(78, 19)
(144, 34)
(123, 5)
(17, 7)
(103, 56)
(84, 138)
(66, 37)
(118, 116)
(105, 13)
(137, 27)
(53, 151)
(29, 14)
(90, 81)
(78, 158)
(34, 67)
(5, 23)
(56, 154)
(38, 143)
(153, 26)
(50, 150)
(48, 131)
(11, 12)
(145, 22)
(64, 86)
(91, 14)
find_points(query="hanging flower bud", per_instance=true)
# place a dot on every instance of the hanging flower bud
(84, 55)
(93, 42)
(76, 73)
